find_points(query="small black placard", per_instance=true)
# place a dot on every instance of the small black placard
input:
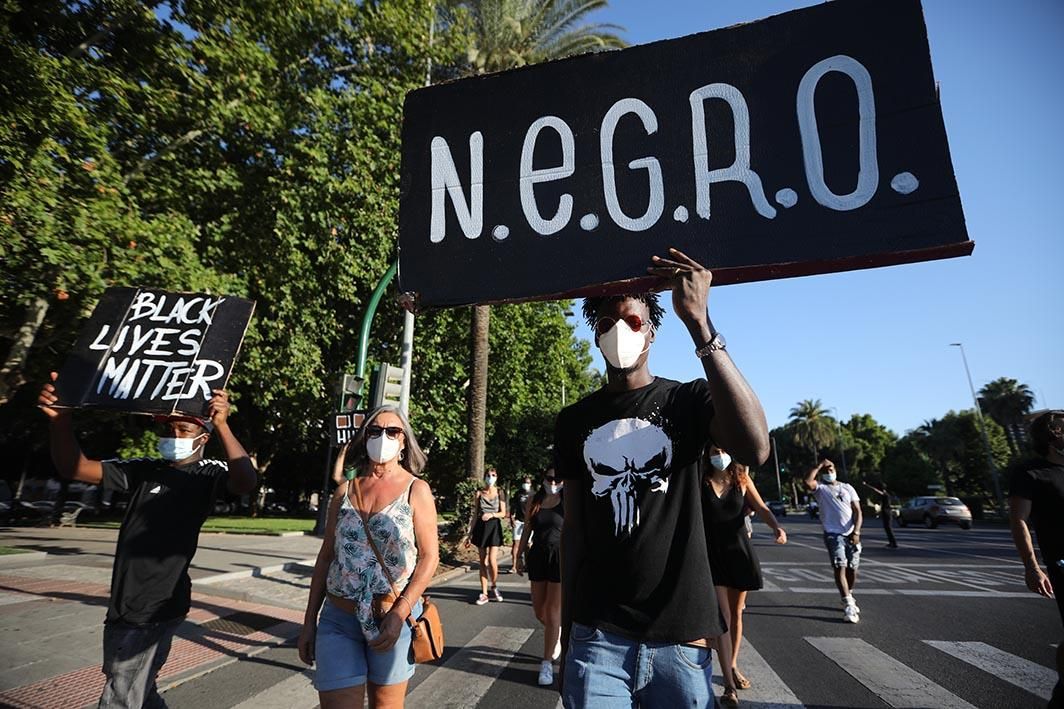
(346, 425)
(808, 142)
(154, 352)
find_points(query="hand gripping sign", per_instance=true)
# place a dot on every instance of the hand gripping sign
(154, 352)
(808, 142)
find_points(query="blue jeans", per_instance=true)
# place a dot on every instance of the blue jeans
(843, 552)
(605, 671)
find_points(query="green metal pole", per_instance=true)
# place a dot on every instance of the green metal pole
(367, 320)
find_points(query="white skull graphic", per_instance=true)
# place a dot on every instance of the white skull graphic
(627, 458)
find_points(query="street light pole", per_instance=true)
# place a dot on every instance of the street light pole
(776, 460)
(982, 427)
(842, 445)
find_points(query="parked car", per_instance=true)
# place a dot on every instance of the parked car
(932, 511)
(778, 507)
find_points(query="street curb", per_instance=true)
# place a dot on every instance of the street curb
(252, 572)
(13, 559)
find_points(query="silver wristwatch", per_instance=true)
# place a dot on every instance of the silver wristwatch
(717, 343)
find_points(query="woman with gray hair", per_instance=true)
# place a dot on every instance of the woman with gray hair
(362, 637)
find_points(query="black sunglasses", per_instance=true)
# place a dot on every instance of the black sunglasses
(375, 431)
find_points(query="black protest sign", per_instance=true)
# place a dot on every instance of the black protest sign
(808, 142)
(155, 352)
(346, 425)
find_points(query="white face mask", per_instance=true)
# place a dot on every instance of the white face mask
(828, 478)
(621, 346)
(382, 449)
(174, 449)
(554, 488)
(490, 480)
(720, 462)
(527, 487)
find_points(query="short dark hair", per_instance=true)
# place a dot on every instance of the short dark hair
(1040, 430)
(592, 306)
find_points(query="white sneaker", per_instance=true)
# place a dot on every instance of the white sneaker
(557, 650)
(546, 674)
(850, 614)
(850, 601)
(482, 599)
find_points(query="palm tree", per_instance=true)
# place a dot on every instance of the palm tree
(813, 427)
(507, 34)
(1007, 401)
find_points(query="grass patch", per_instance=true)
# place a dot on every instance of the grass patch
(13, 550)
(234, 524)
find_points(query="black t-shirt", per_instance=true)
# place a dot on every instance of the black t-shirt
(169, 504)
(517, 504)
(1042, 483)
(633, 459)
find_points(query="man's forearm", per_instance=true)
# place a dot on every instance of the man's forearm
(739, 419)
(1021, 537)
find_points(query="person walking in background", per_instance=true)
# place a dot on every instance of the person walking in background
(544, 529)
(485, 532)
(727, 492)
(840, 515)
(1036, 493)
(151, 591)
(517, 509)
(885, 513)
(363, 636)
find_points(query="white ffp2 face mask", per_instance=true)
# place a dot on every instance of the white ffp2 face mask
(382, 449)
(174, 449)
(554, 488)
(828, 478)
(720, 462)
(621, 346)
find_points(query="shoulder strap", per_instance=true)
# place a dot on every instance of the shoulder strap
(373, 545)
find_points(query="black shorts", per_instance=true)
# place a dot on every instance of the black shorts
(544, 563)
(487, 534)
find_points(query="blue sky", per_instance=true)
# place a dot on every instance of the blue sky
(877, 341)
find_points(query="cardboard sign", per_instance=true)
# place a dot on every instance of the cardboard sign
(808, 142)
(346, 425)
(154, 352)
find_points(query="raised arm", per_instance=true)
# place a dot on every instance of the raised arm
(69, 461)
(810, 477)
(338, 466)
(753, 499)
(243, 477)
(738, 423)
(874, 489)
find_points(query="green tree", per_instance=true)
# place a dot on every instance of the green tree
(506, 34)
(812, 428)
(906, 468)
(866, 441)
(1007, 401)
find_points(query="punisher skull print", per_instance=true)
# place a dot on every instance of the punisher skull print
(627, 458)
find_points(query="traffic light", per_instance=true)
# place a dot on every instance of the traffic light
(350, 391)
(387, 385)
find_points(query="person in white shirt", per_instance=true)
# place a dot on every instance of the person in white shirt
(840, 514)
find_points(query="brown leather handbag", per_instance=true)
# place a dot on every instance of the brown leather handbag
(426, 633)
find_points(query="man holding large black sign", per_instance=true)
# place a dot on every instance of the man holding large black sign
(170, 499)
(636, 581)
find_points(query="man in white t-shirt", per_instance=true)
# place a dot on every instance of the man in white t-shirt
(840, 514)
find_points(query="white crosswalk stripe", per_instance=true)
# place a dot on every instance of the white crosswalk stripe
(895, 683)
(767, 690)
(1023, 673)
(466, 677)
(296, 692)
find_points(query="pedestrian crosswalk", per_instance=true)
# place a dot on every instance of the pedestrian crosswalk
(466, 678)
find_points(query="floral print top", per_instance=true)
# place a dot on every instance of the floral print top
(355, 573)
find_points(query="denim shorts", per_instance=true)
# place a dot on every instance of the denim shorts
(843, 552)
(604, 671)
(342, 659)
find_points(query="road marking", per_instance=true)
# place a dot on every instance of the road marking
(966, 594)
(465, 678)
(895, 683)
(767, 690)
(1017, 671)
(296, 691)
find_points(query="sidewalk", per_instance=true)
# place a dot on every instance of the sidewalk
(52, 611)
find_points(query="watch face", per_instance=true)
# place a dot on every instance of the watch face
(718, 340)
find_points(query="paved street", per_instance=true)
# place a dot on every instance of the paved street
(945, 622)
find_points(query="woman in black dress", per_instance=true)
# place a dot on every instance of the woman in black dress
(543, 525)
(736, 571)
(485, 531)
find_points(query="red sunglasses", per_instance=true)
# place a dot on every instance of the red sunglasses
(633, 321)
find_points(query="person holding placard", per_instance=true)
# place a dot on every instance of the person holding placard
(635, 568)
(378, 555)
(171, 496)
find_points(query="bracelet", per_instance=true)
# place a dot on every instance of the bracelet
(404, 598)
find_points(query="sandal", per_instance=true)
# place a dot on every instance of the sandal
(740, 681)
(730, 698)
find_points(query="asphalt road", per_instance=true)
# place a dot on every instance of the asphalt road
(945, 622)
